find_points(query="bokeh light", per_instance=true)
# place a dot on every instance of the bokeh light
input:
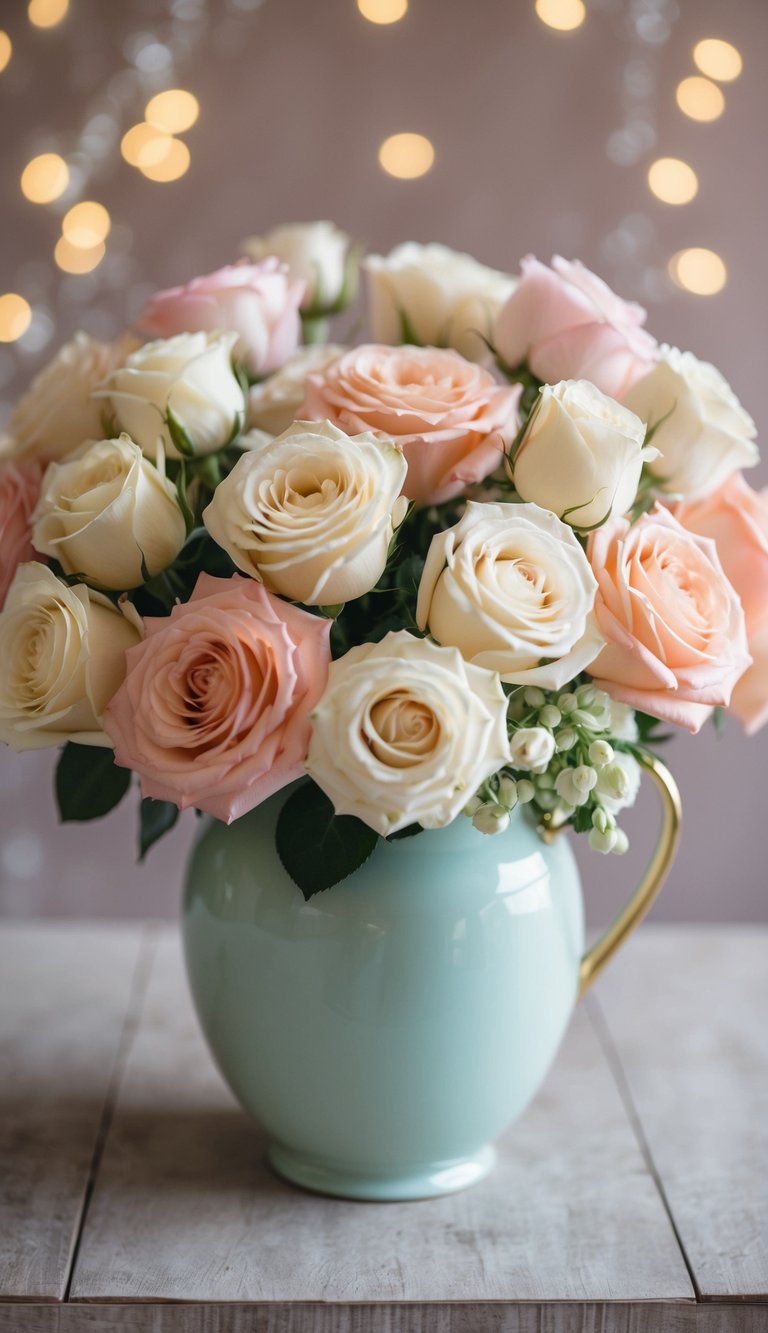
(164, 161)
(74, 259)
(172, 111)
(719, 59)
(698, 270)
(86, 225)
(15, 317)
(137, 140)
(47, 13)
(564, 15)
(700, 98)
(6, 49)
(383, 11)
(45, 178)
(406, 156)
(672, 180)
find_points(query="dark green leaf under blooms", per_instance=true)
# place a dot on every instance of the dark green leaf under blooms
(155, 819)
(317, 847)
(88, 782)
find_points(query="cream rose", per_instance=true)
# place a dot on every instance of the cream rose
(190, 376)
(511, 588)
(406, 732)
(62, 657)
(109, 514)
(311, 515)
(273, 405)
(316, 252)
(706, 435)
(58, 413)
(581, 455)
(436, 295)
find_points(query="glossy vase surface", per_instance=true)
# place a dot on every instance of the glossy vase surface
(385, 1032)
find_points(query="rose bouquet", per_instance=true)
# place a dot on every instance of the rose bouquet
(465, 567)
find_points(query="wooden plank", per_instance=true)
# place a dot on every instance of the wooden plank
(405, 1317)
(687, 1011)
(185, 1209)
(64, 994)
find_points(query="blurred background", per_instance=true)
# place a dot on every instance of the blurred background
(626, 133)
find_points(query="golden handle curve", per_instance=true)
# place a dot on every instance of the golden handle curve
(595, 959)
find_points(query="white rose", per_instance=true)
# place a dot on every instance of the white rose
(619, 782)
(273, 404)
(189, 375)
(532, 748)
(62, 657)
(109, 514)
(57, 413)
(707, 434)
(581, 455)
(447, 299)
(406, 732)
(311, 515)
(511, 588)
(316, 252)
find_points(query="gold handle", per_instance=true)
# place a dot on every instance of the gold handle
(596, 958)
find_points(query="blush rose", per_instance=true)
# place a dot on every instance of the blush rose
(19, 491)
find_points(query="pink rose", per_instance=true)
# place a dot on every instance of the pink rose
(676, 640)
(449, 416)
(736, 518)
(19, 491)
(214, 709)
(259, 302)
(569, 325)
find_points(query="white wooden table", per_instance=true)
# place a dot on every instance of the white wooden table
(632, 1196)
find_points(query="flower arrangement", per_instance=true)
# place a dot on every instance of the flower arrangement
(463, 568)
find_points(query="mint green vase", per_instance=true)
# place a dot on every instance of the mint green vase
(385, 1032)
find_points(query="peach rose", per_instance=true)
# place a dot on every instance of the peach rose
(676, 639)
(450, 417)
(568, 325)
(736, 518)
(214, 709)
(259, 302)
(19, 490)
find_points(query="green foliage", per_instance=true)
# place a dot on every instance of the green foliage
(317, 847)
(88, 782)
(155, 819)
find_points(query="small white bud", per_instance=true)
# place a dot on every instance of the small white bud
(491, 819)
(549, 716)
(546, 799)
(573, 785)
(531, 748)
(621, 845)
(525, 791)
(507, 793)
(565, 739)
(586, 695)
(567, 702)
(602, 842)
(534, 697)
(516, 706)
(544, 781)
(600, 753)
(602, 820)
(472, 806)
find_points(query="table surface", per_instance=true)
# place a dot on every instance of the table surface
(632, 1196)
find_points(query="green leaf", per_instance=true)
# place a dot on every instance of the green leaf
(719, 720)
(409, 831)
(408, 333)
(178, 433)
(332, 611)
(652, 428)
(88, 782)
(317, 847)
(183, 499)
(155, 819)
(582, 818)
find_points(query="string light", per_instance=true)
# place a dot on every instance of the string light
(86, 225)
(47, 13)
(698, 270)
(719, 59)
(74, 259)
(45, 178)
(173, 111)
(383, 11)
(15, 317)
(137, 139)
(700, 98)
(6, 49)
(165, 162)
(406, 156)
(672, 181)
(563, 15)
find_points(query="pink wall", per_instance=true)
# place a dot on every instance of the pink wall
(296, 96)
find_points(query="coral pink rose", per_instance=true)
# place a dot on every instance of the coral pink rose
(449, 416)
(19, 491)
(259, 302)
(676, 639)
(568, 325)
(214, 709)
(736, 518)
